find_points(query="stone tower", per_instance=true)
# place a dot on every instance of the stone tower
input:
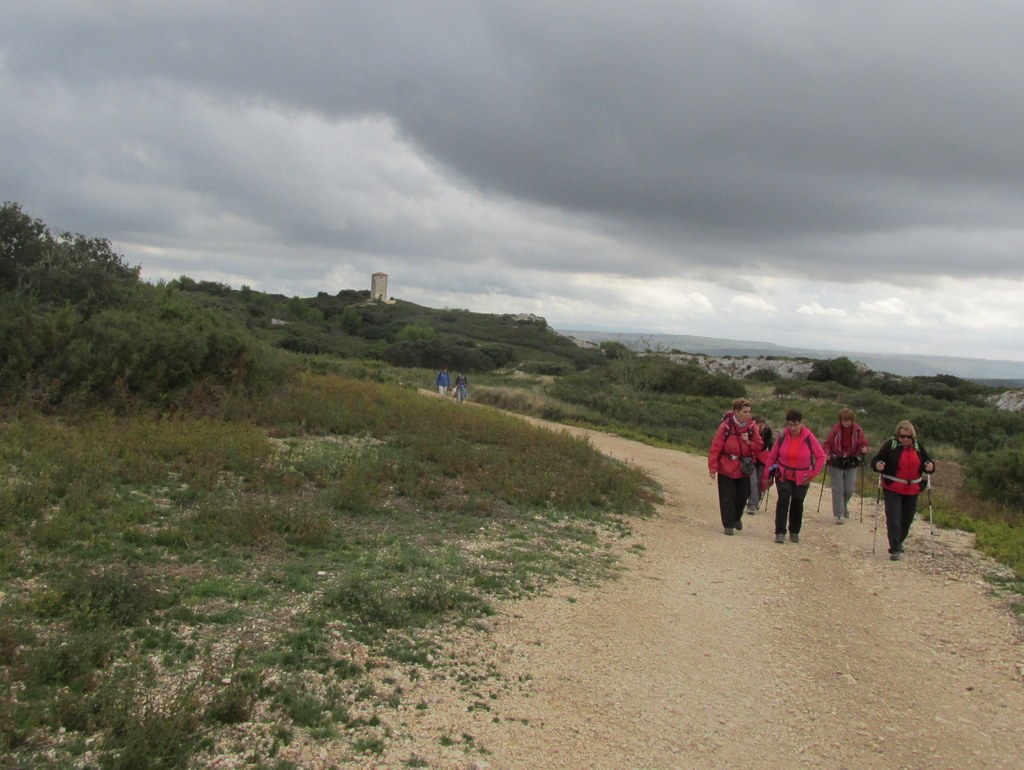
(379, 287)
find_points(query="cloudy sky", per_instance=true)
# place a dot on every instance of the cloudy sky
(843, 174)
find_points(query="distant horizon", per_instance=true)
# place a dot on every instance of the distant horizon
(903, 364)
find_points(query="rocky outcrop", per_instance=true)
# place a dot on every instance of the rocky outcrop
(1010, 400)
(740, 366)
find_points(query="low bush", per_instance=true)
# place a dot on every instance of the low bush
(999, 475)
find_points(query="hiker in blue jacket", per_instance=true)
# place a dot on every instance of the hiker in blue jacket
(444, 379)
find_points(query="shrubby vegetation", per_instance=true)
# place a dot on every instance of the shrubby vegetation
(649, 393)
(77, 323)
(998, 474)
(139, 552)
(841, 370)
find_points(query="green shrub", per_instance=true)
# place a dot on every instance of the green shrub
(234, 702)
(145, 732)
(403, 587)
(841, 370)
(416, 333)
(999, 475)
(70, 658)
(118, 595)
(547, 368)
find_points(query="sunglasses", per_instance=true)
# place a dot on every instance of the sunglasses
(904, 435)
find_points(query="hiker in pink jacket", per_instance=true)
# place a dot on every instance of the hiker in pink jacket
(794, 460)
(845, 448)
(733, 453)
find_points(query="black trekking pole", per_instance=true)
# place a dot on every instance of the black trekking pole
(931, 521)
(861, 496)
(768, 491)
(822, 492)
(874, 536)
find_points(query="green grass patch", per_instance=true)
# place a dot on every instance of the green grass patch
(167, 578)
(1002, 541)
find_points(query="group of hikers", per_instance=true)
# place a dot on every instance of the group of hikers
(459, 389)
(746, 462)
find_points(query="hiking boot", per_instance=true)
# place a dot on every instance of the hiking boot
(780, 538)
(794, 537)
(839, 519)
(895, 556)
(739, 525)
(751, 511)
(729, 531)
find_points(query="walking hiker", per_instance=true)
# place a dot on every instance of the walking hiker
(733, 453)
(902, 462)
(444, 379)
(796, 458)
(845, 448)
(754, 501)
(461, 389)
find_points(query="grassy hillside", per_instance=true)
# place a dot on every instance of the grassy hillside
(349, 325)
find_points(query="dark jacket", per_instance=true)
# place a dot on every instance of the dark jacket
(889, 453)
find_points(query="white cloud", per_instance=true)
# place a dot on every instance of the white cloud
(752, 304)
(816, 309)
(888, 306)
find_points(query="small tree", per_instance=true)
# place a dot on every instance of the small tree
(841, 370)
(416, 333)
(350, 320)
(85, 272)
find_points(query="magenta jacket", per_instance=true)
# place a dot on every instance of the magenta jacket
(799, 458)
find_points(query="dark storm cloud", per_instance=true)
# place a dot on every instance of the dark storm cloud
(800, 171)
(738, 122)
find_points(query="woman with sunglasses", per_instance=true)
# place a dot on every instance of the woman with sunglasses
(903, 462)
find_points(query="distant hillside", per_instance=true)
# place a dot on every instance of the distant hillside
(1008, 373)
(349, 324)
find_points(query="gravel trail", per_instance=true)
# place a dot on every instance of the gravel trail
(733, 652)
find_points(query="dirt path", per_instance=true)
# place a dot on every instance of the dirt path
(729, 652)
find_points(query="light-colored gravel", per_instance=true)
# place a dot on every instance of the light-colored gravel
(731, 652)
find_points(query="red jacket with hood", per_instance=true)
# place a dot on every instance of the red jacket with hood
(727, 447)
(832, 445)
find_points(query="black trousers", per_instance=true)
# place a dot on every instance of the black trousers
(790, 504)
(899, 514)
(732, 498)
